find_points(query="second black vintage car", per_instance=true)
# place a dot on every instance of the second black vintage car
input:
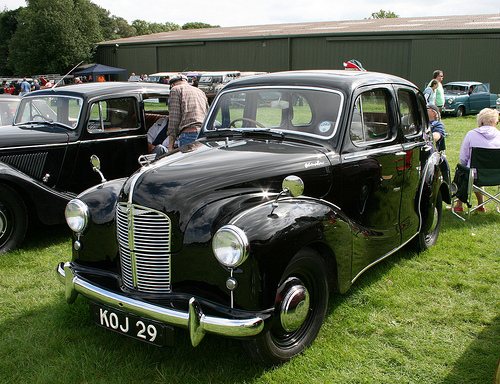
(299, 182)
(45, 155)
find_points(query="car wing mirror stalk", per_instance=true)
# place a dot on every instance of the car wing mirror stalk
(96, 167)
(292, 186)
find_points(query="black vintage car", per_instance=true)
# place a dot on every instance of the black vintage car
(298, 183)
(45, 155)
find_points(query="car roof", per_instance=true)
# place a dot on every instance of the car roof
(89, 90)
(164, 74)
(467, 83)
(9, 97)
(219, 73)
(336, 79)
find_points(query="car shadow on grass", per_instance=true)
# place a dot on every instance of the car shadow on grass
(42, 236)
(479, 361)
(38, 343)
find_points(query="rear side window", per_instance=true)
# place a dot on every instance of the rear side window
(480, 89)
(410, 118)
(113, 115)
(370, 120)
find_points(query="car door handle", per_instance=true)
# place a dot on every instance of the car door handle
(402, 153)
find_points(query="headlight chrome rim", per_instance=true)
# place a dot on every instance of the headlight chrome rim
(77, 215)
(230, 246)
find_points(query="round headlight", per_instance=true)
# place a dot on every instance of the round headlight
(451, 100)
(77, 215)
(230, 246)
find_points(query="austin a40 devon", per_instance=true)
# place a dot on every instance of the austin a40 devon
(298, 182)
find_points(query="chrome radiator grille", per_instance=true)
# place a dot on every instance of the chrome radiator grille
(144, 240)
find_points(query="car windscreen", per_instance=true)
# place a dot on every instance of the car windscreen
(210, 79)
(310, 111)
(452, 88)
(62, 110)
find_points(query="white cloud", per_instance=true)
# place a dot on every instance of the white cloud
(258, 12)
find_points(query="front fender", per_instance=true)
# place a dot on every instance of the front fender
(95, 240)
(47, 202)
(275, 236)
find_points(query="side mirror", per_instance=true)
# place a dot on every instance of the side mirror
(96, 167)
(294, 185)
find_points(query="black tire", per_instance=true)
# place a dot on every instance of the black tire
(460, 112)
(13, 219)
(279, 345)
(427, 239)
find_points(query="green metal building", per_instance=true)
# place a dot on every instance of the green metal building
(464, 47)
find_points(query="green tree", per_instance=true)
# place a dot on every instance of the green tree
(113, 27)
(123, 28)
(53, 35)
(144, 28)
(8, 26)
(197, 25)
(383, 15)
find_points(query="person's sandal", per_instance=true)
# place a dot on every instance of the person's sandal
(482, 209)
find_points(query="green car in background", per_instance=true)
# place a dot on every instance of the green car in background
(467, 97)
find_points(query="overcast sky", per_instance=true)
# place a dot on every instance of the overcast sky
(230, 13)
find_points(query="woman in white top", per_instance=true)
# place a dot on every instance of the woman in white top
(430, 92)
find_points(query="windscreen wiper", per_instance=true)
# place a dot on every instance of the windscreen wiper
(49, 122)
(246, 132)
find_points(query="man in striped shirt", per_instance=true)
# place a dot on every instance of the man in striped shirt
(188, 107)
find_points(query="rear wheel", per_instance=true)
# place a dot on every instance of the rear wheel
(301, 304)
(427, 239)
(13, 219)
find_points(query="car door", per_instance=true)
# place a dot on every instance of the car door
(479, 98)
(412, 121)
(371, 183)
(114, 131)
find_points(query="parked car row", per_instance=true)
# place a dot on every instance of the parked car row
(298, 183)
(13, 86)
(209, 82)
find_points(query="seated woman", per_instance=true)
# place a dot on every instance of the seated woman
(485, 136)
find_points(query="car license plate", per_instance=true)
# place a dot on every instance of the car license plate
(130, 325)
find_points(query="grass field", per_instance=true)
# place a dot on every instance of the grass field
(432, 317)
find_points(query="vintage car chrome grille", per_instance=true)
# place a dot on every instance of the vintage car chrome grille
(31, 163)
(144, 240)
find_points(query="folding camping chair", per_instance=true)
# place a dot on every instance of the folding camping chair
(484, 171)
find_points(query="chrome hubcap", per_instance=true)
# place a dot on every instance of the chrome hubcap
(3, 223)
(294, 307)
(435, 218)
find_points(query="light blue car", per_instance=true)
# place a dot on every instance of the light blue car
(467, 97)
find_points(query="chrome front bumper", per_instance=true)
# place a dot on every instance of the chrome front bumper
(449, 110)
(194, 320)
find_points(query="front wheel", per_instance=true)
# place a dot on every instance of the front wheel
(427, 239)
(460, 112)
(300, 308)
(13, 219)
